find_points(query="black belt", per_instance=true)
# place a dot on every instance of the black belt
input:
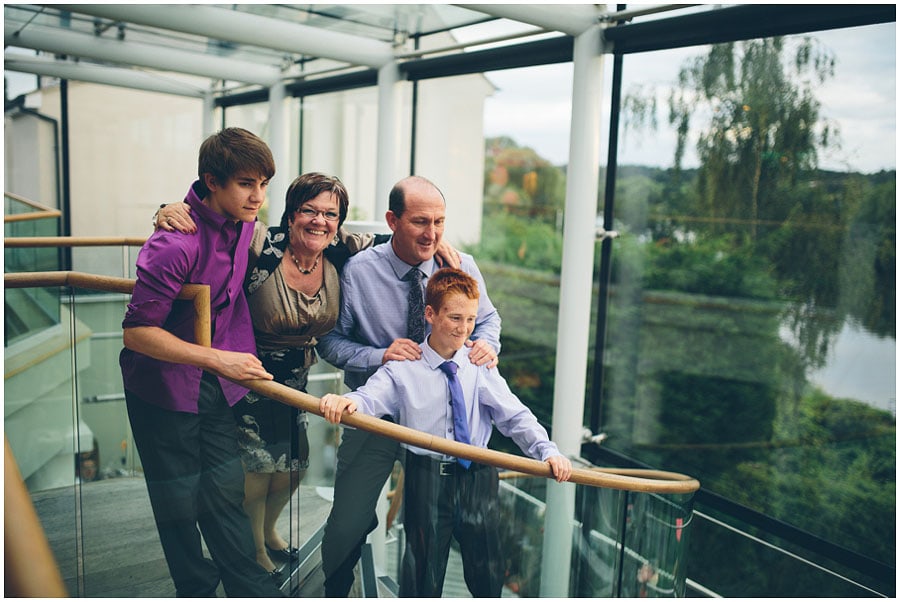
(444, 468)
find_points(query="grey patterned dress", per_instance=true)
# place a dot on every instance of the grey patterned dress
(287, 324)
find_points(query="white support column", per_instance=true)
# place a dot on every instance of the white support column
(386, 172)
(278, 143)
(209, 115)
(574, 302)
(385, 177)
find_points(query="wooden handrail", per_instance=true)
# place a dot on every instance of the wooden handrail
(647, 473)
(29, 565)
(197, 293)
(28, 217)
(29, 568)
(40, 211)
(652, 482)
(38, 207)
(657, 482)
(20, 242)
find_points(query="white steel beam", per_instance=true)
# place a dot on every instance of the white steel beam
(208, 114)
(278, 144)
(58, 41)
(110, 76)
(576, 280)
(246, 28)
(572, 19)
(386, 167)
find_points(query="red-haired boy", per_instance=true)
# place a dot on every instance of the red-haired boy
(448, 497)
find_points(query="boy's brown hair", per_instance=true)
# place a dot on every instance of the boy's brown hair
(233, 151)
(447, 281)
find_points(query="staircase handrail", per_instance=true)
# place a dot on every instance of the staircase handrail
(653, 482)
(40, 211)
(22, 242)
(30, 569)
(197, 293)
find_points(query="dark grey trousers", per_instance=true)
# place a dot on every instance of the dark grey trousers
(364, 463)
(195, 479)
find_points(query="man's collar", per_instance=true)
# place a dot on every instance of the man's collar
(400, 267)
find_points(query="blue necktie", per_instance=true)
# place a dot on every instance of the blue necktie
(415, 312)
(458, 401)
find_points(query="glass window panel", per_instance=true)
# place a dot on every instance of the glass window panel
(751, 328)
(519, 251)
(340, 138)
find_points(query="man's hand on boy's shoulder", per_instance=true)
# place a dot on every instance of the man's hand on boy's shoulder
(406, 349)
(561, 467)
(401, 350)
(333, 406)
(482, 353)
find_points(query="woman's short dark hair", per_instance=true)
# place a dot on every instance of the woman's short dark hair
(308, 186)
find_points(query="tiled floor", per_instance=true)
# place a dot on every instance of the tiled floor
(116, 549)
(115, 544)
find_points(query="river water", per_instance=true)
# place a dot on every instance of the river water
(861, 366)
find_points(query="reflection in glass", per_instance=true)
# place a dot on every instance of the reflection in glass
(740, 271)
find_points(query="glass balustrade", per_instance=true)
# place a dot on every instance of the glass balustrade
(28, 311)
(620, 544)
(68, 428)
(66, 423)
(43, 428)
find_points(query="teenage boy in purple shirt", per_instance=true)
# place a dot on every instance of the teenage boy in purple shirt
(178, 397)
(444, 496)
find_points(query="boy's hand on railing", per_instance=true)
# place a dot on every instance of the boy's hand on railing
(333, 406)
(175, 216)
(239, 366)
(561, 466)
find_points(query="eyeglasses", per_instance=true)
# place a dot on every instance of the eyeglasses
(329, 216)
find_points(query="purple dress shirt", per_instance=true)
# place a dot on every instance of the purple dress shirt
(216, 255)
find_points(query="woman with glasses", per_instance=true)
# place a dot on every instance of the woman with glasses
(293, 290)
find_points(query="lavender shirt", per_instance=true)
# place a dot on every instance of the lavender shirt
(216, 255)
(416, 394)
(374, 306)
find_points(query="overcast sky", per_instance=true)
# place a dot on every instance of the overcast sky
(532, 105)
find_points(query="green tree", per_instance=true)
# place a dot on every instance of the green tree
(868, 273)
(760, 221)
(764, 127)
(828, 239)
(520, 181)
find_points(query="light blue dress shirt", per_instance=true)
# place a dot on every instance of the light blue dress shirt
(373, 311)
(416, 394)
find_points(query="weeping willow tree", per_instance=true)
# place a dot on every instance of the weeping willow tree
(750, 109)
(758, 219)
(764, 128)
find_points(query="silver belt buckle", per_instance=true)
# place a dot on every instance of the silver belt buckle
(446, 469)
